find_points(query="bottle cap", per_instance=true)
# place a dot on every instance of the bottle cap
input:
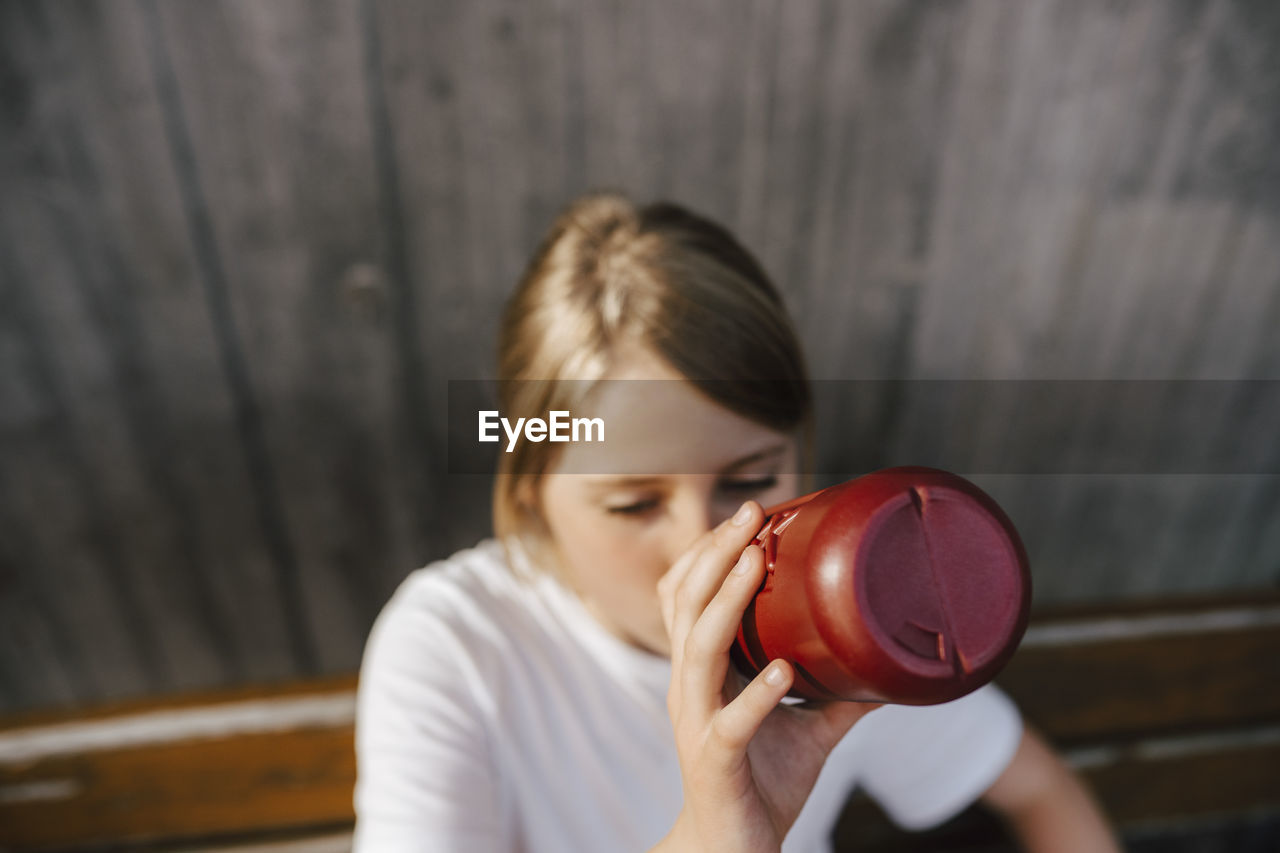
(908, 585)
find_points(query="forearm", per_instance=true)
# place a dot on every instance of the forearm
(1070, 821)
(1046, 804)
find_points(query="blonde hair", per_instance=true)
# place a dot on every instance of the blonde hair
(610, 272)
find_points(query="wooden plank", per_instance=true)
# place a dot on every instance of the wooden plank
(1129, 314)
(470, 97)
(1157, 706)
(250, 783)
(302, 780)
(800, 49)
(866, 238)
(1164, 684)
(310, 842)
(143, 363)
(1135, 792)
(345, 683)
(1038, 214)
(296, 219)
(1159, 606)
(1219, 782)
(75, 451)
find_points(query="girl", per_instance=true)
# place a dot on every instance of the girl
(566, 686)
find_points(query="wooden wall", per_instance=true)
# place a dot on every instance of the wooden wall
(245, 244)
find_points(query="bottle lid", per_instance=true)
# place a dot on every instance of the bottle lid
(940, 579)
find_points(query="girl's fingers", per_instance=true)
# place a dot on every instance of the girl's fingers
(685, 591)
(706, 659)
(670, 582)
(707, 572)
(736, 723)
(840, 717)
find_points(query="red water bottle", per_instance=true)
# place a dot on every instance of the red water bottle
(908, 585)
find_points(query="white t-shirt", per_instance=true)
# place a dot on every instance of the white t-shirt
(495, 714)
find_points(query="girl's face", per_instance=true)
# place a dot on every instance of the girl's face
(676, 464)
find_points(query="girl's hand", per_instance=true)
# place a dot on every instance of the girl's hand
(748, 764)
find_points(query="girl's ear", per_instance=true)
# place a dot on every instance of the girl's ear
(527, 496)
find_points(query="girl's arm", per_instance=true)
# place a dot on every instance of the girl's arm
(1047, 805)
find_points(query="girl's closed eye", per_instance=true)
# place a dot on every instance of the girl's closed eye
(632, 507)
(749, 485)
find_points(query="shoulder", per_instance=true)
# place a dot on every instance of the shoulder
(426, 713)
(448, 623)
(986, 712)
(472, 590)
(925, 763)
(469, 577)
(904, 740)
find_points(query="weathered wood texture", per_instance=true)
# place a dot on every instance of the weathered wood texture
(244, 245)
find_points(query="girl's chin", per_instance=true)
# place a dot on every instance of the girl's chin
(659, 645)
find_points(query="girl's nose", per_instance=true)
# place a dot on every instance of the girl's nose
(693, 516)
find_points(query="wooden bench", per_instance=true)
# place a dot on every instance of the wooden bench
(1171, 710)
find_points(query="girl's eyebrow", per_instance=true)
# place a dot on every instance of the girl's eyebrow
(625, 482)
(767, 453)
(637, 481)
